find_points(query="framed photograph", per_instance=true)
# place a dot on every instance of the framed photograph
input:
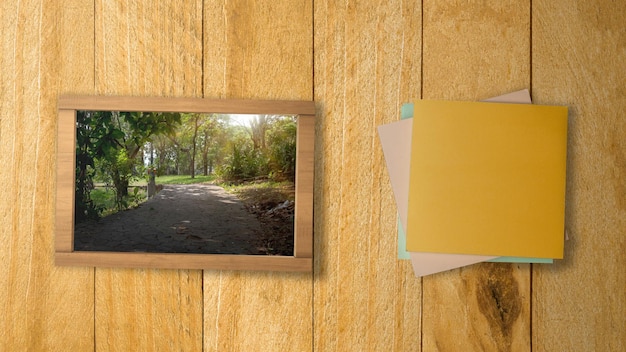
(185, 183)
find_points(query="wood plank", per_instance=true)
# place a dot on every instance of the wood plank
(184, 261)
(471, 53)
(148, 49)
(66, 168)
(579, 50)
(44, 307)
(161, 104)
(367, 63)
(254, 53)
(303, 226)
(258, 50)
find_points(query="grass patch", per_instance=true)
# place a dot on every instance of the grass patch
(104, 199)
(183, 179)
(268, 192)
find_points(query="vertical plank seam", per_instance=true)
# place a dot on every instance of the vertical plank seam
(202, 92)
(530, 307)
(312, 311)
(530, 88)
(202, 271)
(94, 89)
(313, 50)
(421, 321)
(422, 50)
(94, 310)
(530, 46)
(202, 67)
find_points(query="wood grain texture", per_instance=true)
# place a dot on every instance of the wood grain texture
(305, 172)
(579, 51)
(43, 307)
(148, 49)
(367, 62)
(65, 186)
(258, 50)
(184, 261)
(474, 51)
(161, 104)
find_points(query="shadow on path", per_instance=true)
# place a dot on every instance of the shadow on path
(197, 218)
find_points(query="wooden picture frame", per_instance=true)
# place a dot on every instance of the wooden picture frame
(65, 255)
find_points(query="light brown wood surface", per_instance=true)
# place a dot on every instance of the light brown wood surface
(367, 62)
(42, 55)
(148, 49)
(359, 60)
(579, 60)
(161, 104)
(305, 171)
(65, 172)
(258, 50)
(474, 53)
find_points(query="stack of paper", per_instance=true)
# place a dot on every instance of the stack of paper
(478, 181)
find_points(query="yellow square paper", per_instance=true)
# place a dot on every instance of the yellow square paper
(487, 179)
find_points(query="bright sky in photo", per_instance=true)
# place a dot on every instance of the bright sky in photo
(242, 119)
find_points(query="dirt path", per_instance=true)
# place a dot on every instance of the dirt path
(198, 218)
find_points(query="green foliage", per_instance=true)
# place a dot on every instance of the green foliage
(274, 157)
(245, 163)
(96, 138)
(110, 150)
(196, 141)
(120, 169)
(106, 199)
(108, 145)
(282, 149)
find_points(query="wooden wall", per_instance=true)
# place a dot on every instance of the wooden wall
(359, 60)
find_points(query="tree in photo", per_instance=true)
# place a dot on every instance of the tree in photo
(113, 142)
(263, 147)
(282, 148)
